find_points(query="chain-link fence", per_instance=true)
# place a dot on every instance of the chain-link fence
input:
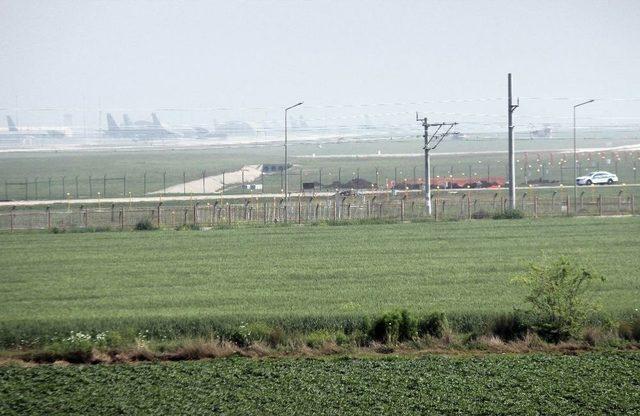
(309, 209)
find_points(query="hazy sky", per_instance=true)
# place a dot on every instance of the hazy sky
(155, 54)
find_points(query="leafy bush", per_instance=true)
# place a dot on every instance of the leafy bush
(433, 325)
(188, 227)
(509, 214)
(145, 225)
(245, 334)
(276, 337)
(480, 214)
(630, 330)
(509, 326)
(393, 327)
(76, 349)
(317, 339)
(557, 295)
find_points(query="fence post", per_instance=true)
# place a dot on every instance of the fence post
(159, 222)
(204, 186)
(535, 206)
(435, 208)
(121, 218)
(195, 213)
(568, 204)
(633, 205)
(600, 205)
(620, 203)
(402, 208)
(524, 196)
(581, 201)
(113, 208)
(228, 214)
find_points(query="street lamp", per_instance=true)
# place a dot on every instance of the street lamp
(575, 166)
(286, 160)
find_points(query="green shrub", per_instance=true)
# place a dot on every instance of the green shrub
(317, 339)
(276, 337)
(630, 330)
(188, 227)
(145, 225)
(393, 327)
(386, 328)
(557, 295)
(509, 214)
(510, 326)
(76, 349)
(342, 339)
(433, 325)
(480, 214)
(245, 334)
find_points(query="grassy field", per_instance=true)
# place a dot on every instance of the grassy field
(172, 282)
(527, 384)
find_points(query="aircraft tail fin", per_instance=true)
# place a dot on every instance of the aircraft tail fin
(111, 123)
(11, 124)
(156, 121)
(126, 120)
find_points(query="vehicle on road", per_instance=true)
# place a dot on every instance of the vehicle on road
(597, 178)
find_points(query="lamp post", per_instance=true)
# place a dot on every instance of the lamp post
(575, 166)
(286, 160)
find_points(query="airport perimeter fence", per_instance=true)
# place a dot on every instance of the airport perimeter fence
(366, 176)
(406, 207)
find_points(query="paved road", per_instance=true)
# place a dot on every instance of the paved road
(227, 197)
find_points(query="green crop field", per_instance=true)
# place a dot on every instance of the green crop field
(180, 281)
(520, 385)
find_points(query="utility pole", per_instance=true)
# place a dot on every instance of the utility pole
(430, 143)
(286, 161)
(512, 154)
(575, 164)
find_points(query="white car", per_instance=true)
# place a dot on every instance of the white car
(596, 178)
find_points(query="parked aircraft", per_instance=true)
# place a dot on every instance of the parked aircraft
(30, 132)
(155, 130)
